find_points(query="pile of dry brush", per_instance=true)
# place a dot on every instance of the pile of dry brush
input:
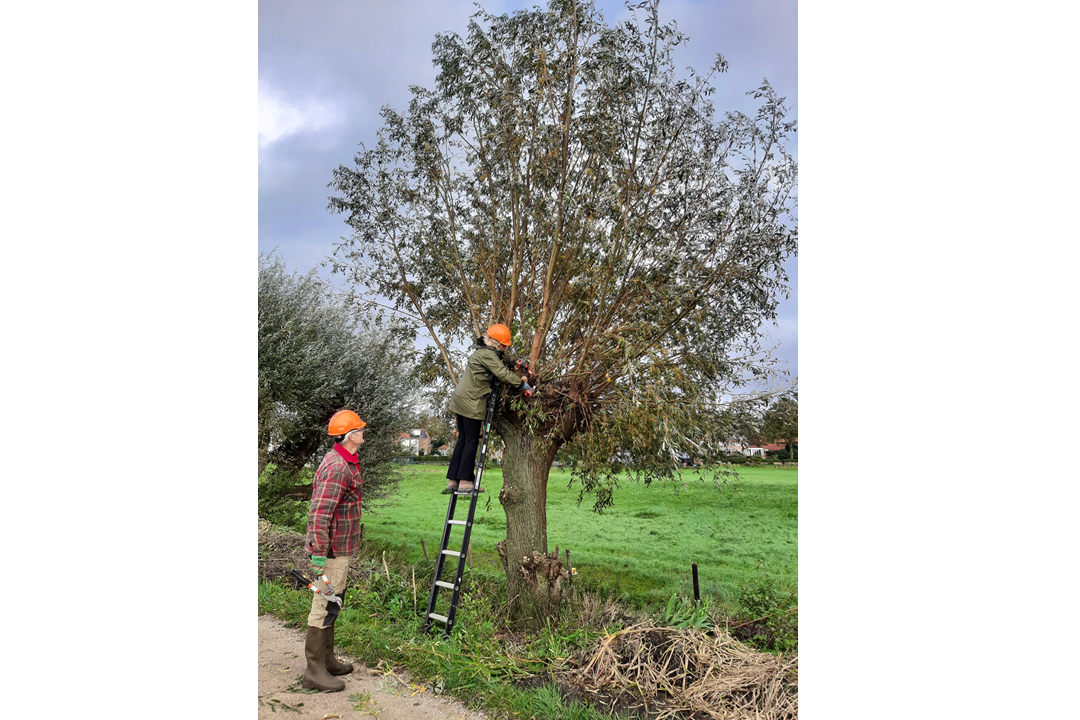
(668, 672)
(280, 550)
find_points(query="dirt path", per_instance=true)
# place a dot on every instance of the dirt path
(388, 696)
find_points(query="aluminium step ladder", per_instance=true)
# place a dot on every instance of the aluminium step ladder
(431, 617)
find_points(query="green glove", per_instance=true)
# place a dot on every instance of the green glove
(318, 564)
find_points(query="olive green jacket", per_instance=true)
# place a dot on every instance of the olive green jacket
(474, 386)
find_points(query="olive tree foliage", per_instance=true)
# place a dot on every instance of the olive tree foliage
(562, 178)
(317, 355)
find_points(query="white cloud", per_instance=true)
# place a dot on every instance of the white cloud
(280, 118)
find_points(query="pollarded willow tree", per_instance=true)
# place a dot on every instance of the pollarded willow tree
(562, 179)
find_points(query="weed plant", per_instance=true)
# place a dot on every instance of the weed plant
(773, 623)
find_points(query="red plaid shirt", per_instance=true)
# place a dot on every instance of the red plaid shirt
(334, 516)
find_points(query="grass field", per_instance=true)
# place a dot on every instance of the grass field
(640, 550)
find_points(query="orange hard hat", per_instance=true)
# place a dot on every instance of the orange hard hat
(500, 333)
(344, 421)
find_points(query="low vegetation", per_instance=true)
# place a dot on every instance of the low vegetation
(630, 641)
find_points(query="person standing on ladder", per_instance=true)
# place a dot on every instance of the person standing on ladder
(333, 537)
(469, 403)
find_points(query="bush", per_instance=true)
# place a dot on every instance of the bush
(284, 512)
(737, 459)
(773, 611)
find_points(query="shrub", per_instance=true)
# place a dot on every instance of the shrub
(281, 511)
(773, 611)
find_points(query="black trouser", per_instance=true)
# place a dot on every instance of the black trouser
(463, 461)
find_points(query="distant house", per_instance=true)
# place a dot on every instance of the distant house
(779, 445)
(444, 450)
(732, 448)
(752, 451)
(414, 441)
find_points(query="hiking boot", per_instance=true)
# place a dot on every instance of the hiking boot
(466, 486)
(316, 675)
(451, 486)
(333, 665)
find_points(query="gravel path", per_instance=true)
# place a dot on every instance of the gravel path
(388, 696)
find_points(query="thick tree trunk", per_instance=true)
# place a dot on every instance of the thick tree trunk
(535, 580)
(293, 453)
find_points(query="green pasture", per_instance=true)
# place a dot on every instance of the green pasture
(640, 550)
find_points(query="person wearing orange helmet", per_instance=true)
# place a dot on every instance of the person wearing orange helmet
(333, 537)
(469, 403)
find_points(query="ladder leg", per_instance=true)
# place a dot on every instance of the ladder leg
(461, 563)
(448, 619)
(440, 557)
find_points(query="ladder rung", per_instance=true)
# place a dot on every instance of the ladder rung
(448, 586)
(463, 493)
(454, 553)
(458, 522)
(440, 618)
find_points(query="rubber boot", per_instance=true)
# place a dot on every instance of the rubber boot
(451, 486)
(316, 675)
(466, 486)
(333, 665)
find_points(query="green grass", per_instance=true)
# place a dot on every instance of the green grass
(641, 549)
(379, 624)
(742, 537)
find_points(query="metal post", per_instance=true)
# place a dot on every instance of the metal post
(697, 596)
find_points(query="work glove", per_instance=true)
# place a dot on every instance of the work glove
(527, 389)
(318, 565)
(523, 366)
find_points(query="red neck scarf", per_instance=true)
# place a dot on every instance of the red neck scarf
(346, 454)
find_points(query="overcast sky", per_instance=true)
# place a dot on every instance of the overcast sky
(325, 70)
